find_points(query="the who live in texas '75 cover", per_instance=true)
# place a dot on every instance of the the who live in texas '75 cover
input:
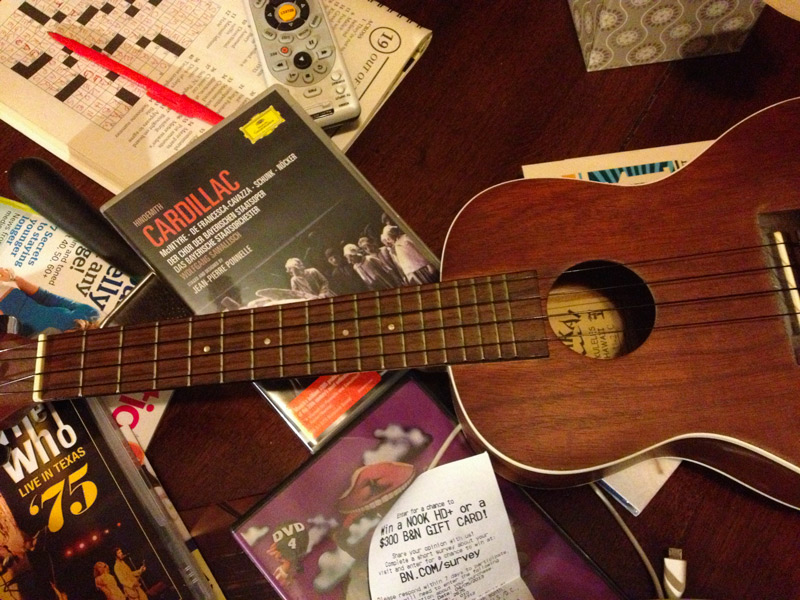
(71, 525)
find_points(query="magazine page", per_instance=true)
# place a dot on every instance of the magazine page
(48, 280)
(311, 538)
(380, 47)
(108, 128)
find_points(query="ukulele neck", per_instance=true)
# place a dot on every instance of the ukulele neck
(469, 320)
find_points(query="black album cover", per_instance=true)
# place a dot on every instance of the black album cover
(73, 524)
(264, 209)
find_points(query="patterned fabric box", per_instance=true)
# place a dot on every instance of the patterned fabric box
(622, 33)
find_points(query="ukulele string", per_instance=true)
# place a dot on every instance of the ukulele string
(481, 280)
(411, 290)
(141, 384)
(405, 292)
(593, 268)
(567, 311)
(464, 348)
(414, 290)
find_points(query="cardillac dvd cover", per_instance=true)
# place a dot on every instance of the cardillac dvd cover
(263, 209)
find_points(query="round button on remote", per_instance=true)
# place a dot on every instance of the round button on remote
(286, 15)
(302, 60)
(286, 12)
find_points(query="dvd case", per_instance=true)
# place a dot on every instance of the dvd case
(264, 209)
(308, 543)
(78, 519)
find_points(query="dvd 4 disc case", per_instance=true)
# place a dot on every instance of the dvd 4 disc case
(77, 518)
(310, 539)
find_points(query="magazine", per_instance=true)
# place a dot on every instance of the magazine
(78, 520)
(110, 130)
(48, 280)
(311, 538)
(264, 210)
(66, 278)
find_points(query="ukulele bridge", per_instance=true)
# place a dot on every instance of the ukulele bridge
(781, 231)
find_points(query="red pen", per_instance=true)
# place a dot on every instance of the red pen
(177, 102)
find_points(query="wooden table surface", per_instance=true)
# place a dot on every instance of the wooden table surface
(504, 85)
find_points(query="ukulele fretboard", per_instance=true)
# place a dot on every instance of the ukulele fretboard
(470, 320)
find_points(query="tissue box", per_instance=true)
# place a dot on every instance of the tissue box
(623, 33)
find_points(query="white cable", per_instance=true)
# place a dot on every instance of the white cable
(647, 564)
(674, 574)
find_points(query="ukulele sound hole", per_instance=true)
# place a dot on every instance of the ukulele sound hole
(601, 309)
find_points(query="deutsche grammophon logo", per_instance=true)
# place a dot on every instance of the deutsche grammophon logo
(262, 124)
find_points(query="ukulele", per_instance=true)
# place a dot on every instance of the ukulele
(586, 327)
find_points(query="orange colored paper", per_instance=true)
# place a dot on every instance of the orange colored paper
(328, 398)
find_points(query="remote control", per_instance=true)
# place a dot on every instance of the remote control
(297, 49)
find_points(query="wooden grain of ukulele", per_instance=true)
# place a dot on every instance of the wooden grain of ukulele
(693, 302)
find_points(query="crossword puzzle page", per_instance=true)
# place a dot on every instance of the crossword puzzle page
(104, 124)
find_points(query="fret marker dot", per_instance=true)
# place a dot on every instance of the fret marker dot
(391, 326)
(206, 348)
(267, 341)
(345, 332)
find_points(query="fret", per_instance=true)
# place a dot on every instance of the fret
(462, 343)
(379, 323)
(412, 326)
(452, 339)
(138, 368)
(119, 356)
(308, 341)
(370, 339)
(189, 353)
(267, 349)
(392, 347)
(320, 328)
(344, 331)
(357, 333)
(333, 335)
(236, 356)
(294, 340)
(155, 356)
(102, 352)
(490, 342)
(280, 339)
(431, 320)
(62, 362)
(83, 363)
(252, 345)
(205, 350)
(402, 324)
(505, 329)
(222, 347)
(172, 359)
(524, 304)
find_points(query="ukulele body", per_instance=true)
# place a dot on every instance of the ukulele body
(716, 377)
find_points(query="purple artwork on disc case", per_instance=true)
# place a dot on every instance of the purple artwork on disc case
(311, 538)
